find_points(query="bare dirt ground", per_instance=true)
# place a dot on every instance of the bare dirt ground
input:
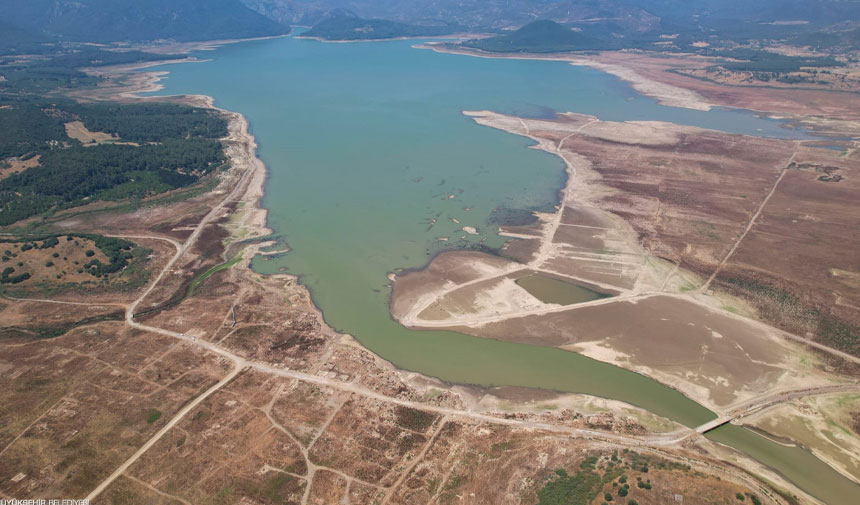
(16, 166)
(237, 392)
(76, 130)
(76, 406)
(809, 106)
(65, 259)
(830, 79)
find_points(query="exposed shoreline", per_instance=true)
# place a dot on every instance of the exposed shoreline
(665, 94)
(452, 36)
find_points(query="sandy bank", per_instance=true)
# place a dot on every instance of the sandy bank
(666, 94)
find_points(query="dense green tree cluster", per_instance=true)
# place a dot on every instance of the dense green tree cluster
(25, 128)
(58, 66)
(178, 145)
(35, 127)
(118, 251)
(69, 177)
(765, 61)
(151, 122)
(6, 276)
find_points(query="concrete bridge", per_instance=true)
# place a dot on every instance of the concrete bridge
(716, 423)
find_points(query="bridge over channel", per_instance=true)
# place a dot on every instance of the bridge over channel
(712, 425)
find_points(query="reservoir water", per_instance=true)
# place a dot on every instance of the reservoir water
(551, 290)
(796, 464)
(367, 147)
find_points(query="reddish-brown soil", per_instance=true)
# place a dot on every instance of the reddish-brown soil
(76, 406)
(799, 263)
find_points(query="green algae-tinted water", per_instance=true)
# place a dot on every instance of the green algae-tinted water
(796, 464)
(367, 147)
(550, 290)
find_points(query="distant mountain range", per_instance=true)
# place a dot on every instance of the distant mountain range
(29, 21)
(472, 14)
(810, 21)
(341, 25)
(603, 24)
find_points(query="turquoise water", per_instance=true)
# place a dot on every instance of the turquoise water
(366, 145)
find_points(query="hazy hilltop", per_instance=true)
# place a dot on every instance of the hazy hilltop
(474, 14)
(617, 23)
(539, 37)
(28, 21)
(343, 25)
(822, 22)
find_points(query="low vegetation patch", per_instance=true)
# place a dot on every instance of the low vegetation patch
(413, 419)
(792, 312)
(56, 330)
(51, 262)
(605, 479)
(152, 415)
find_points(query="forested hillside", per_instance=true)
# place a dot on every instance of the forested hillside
(342, 26)
(134, 20)
(541, 37)
(58, 66)
(157, 147)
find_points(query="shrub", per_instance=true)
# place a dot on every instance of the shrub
(152, 415)
(49, 243)
(739, 496)
(90, 253)
(7, 272)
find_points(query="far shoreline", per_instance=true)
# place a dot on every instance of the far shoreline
(665, 94)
